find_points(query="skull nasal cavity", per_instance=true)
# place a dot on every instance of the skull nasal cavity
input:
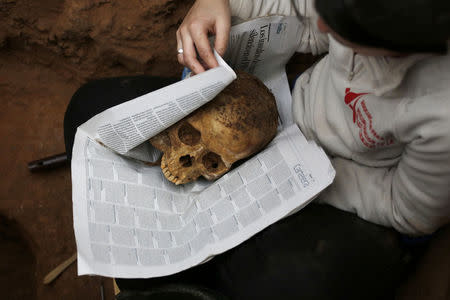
(188, 135)
(212, 162)
(186, 161)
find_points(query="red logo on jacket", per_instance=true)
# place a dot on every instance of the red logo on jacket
(364, 120)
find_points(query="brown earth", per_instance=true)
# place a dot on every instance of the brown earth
(48, 48)
(85, 39)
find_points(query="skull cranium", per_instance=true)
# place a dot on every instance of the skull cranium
(240, 121)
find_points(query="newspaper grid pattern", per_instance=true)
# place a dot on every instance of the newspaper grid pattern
(133, 221)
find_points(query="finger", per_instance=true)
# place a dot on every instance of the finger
(179, 46)
(189, 54)
(203, 46)
(222, 36)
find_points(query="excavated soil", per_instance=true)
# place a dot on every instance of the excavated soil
(86, 39)
(48, 48)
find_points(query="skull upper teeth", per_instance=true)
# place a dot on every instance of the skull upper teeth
(169, 175)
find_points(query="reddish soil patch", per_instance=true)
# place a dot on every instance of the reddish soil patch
(47, 50)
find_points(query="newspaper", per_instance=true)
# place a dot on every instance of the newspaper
(130, 222)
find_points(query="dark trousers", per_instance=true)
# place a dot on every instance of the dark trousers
(317, 253)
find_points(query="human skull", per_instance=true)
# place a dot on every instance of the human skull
(237, 123)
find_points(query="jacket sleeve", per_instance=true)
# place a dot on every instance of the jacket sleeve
(313, 40)
(414, 196)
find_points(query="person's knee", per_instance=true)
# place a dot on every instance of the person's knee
(79, 110)
(82, 100)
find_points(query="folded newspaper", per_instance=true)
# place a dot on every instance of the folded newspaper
(130, 222)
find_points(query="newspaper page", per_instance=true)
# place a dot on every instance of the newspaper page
(130, 222)
(125, 127)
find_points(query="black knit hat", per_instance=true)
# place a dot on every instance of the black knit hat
(398, 25)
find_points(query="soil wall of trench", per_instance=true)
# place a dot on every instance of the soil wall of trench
(88, 39)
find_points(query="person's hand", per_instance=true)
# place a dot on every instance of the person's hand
(205, 17)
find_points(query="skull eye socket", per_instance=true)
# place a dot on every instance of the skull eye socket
(186, 161)
(189, 135)
(213, 162)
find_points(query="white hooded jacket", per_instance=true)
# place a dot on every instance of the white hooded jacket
(383, 121)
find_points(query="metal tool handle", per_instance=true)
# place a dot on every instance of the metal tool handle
(48, 162)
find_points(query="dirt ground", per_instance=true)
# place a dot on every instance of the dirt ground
(47, 50)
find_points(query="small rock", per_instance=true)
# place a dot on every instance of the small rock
(41, 25)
